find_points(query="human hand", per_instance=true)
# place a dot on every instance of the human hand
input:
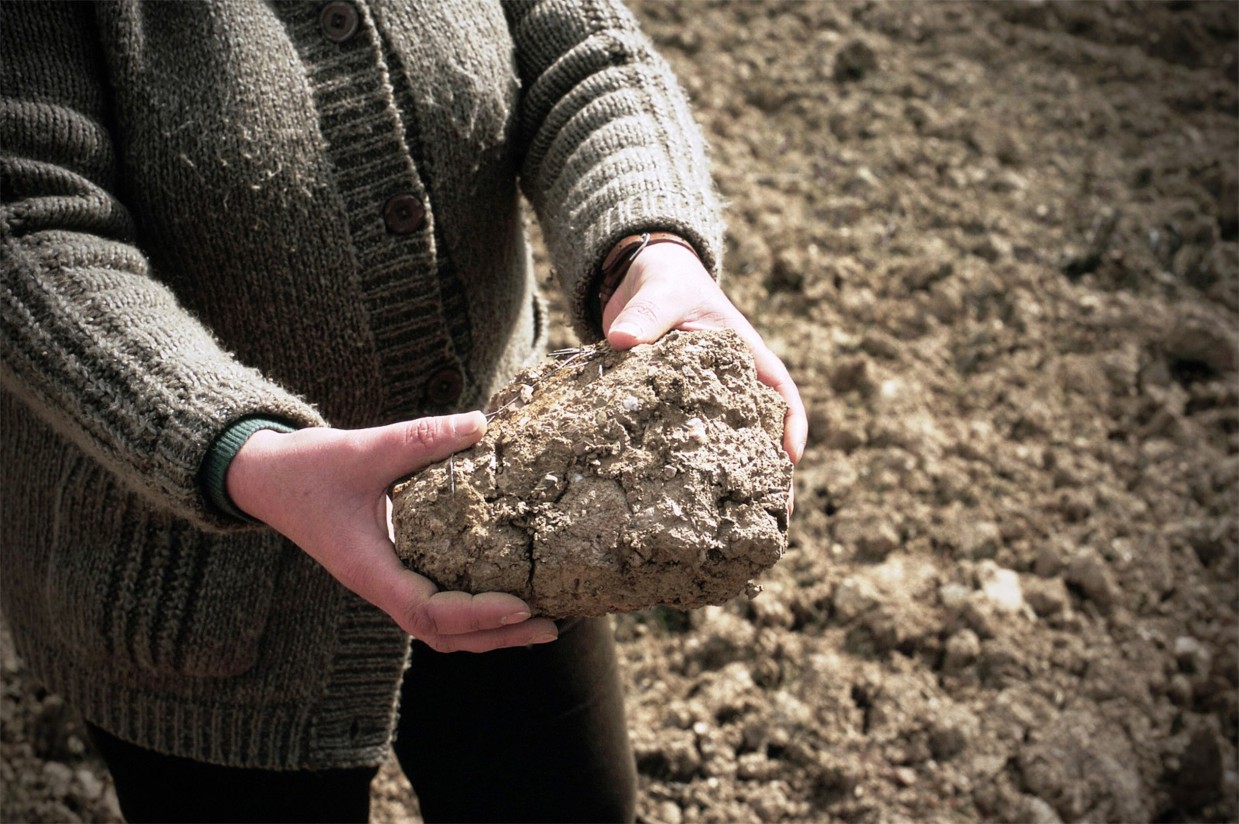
(667, 288)
(326, 491)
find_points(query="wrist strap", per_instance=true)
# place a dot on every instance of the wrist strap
(615, 266)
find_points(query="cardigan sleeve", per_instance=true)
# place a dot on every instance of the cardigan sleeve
(91, 339)
(610, 147)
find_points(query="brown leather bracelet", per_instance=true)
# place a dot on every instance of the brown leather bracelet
(615, 266)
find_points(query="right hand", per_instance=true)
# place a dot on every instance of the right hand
(326, 491)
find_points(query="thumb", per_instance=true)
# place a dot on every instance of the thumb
(643, 319)
(398, 449)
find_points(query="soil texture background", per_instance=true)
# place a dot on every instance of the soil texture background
(997, 244)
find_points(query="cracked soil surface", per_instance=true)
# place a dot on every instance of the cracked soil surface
(997, 245)
(612, 482)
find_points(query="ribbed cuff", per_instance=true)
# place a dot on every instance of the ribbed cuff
(220, 455)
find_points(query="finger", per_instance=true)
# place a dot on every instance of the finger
(772, 372)
(444, 620)
(644, 318)
(538, 631)
(398, 449)
(795, 434)
(458, 621)
(457, 613)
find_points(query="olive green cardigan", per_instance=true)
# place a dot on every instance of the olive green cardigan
(215, 212)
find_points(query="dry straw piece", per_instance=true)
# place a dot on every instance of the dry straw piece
(612, 481)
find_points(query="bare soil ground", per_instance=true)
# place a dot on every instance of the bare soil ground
(998, 246)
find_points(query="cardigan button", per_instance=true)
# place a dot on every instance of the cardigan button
(445, 387)
(338, 21)
(404, 214)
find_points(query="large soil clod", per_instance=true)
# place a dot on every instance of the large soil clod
(612, 481)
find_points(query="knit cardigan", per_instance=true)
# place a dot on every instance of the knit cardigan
(215, 212)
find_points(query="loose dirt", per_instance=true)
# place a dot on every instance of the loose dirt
(998, 247)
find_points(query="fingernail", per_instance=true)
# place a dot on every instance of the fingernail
(626, 329)
(470, 424)
(544, 638)
(514, 618)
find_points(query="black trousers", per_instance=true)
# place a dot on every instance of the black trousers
(532, 734)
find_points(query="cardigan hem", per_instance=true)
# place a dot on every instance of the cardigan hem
(249, 732)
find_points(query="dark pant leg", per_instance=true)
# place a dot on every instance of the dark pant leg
(153, 787)
(531, 734)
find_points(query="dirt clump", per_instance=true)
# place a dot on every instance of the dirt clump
(997, 246)
(612, 481)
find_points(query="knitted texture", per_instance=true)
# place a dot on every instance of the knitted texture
(198, 230)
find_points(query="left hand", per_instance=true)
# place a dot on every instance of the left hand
(667, 288)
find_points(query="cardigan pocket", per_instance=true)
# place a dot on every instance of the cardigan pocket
(132, 588)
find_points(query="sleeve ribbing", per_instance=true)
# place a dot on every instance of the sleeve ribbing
(219, 456)
(610, 145)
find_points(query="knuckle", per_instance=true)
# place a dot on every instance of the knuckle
(445, 643)
(421, 433)
(423, 624)
(473, 615)
(645, 310)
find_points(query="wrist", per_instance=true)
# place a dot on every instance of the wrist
(219, 469)
(616, 265)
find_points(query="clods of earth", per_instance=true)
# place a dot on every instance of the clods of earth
(611, 482)
(997, 245)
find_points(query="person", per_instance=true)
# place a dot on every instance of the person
(259, 262)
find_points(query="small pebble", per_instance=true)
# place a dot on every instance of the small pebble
(91, 786)
(1001, 587)
(1089, 572)
(669, 813)
(962, 649)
